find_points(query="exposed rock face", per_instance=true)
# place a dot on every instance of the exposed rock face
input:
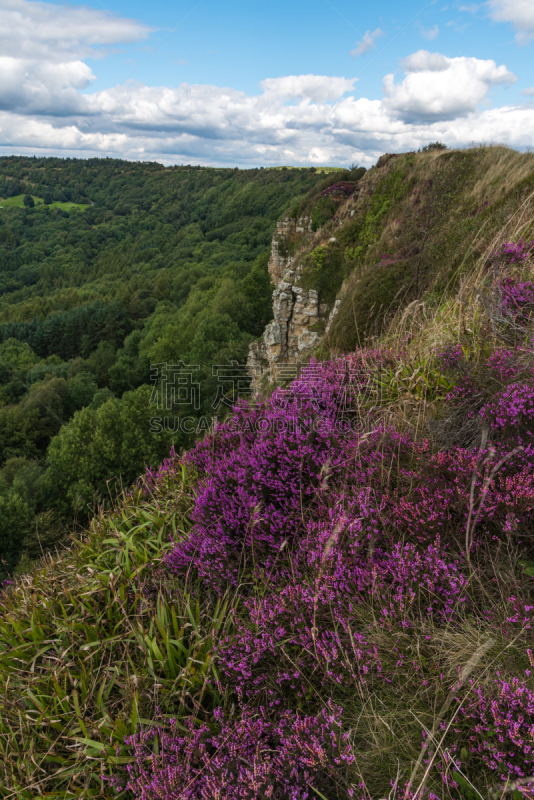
(280, 261)
(289, 336)
(294, 331)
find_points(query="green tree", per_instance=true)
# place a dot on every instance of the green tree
(99, 451)
(17, 355)
(28, 201)
(51, 398)
(22, 433)
(101, 361)
(15, 523)
(81, 389)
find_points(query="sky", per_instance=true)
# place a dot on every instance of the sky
(251, 84)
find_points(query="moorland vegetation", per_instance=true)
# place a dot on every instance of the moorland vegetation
(331, 595)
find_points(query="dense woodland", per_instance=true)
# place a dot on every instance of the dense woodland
(106, 268)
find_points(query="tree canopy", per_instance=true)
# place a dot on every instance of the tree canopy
(107, 268)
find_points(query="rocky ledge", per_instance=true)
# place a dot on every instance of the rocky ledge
(289, 338)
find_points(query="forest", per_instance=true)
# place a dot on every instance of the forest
(107, 268)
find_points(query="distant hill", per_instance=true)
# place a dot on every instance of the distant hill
(117, 266)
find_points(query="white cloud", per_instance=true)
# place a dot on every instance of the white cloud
(42, 48)
(429, 33)
(440, 88)
(528, 92)
(424, 61)
(519, 12)
(294, 119)
(318, 88)
(366, 43)
(30, 29)
(36, 87)
(208, 125)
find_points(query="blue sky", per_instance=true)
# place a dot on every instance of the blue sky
(238, 44)
(306, 83)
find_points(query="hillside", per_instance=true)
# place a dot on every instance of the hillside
(114, 268)
(406, 234)
(331, 594)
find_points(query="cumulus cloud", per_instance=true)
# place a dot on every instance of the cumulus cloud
(366, 43)
(42, 49)
(318, 88)
(208, 125)
(34, 87)
(30, 29)
(441, 88)
(528, 92)
(519, 12)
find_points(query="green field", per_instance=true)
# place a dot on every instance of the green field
(318, 170)
(18, 202)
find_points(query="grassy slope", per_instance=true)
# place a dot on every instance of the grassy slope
(420, 223)
(77, 672)
(18, 202)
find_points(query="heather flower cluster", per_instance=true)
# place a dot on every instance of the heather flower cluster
(259, 479)
(498, 728)
(512, 253)
(389, 258)
(516, 299)
(504, 363)
(340, 187)
(250, 757)
(338, 538)
(450, 357)
(511, 414)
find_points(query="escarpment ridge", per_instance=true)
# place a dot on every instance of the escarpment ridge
(354, 254)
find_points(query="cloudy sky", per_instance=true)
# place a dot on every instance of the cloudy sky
(257, 83)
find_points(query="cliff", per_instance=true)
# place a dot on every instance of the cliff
(361, 248)
(296, 311)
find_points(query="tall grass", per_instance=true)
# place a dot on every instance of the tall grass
(93, 641)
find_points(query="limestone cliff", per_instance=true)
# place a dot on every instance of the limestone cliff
(296, 311)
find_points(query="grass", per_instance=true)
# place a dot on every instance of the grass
(85, 657)
(18, 202)
(421, 224)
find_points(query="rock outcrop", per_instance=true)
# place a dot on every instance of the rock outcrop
(295, 330)
(289, 337)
